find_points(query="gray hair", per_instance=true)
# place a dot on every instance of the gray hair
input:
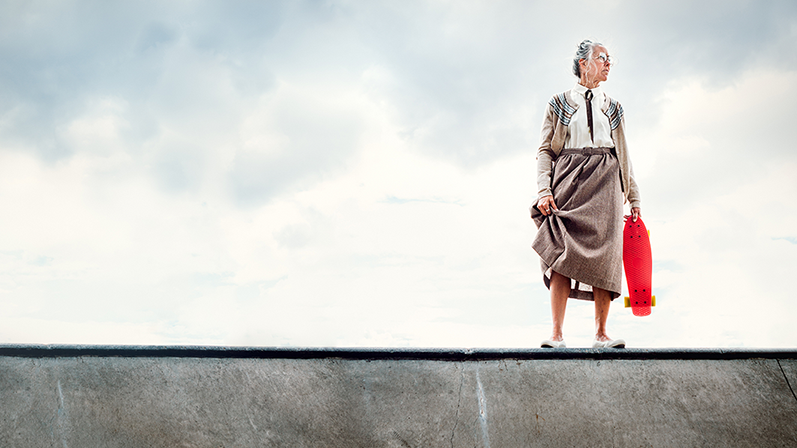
(584, 52)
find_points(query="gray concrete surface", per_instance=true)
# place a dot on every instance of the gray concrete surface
(595, 398)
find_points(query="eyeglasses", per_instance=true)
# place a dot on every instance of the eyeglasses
(604, 58)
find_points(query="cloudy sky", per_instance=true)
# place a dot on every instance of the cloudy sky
(358, 173)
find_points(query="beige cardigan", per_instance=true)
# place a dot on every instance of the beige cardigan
(554, 130)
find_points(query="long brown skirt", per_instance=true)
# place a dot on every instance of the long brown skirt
(584, 239)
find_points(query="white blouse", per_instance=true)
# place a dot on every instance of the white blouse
(578, 131)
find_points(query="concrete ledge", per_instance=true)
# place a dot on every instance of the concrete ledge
(442, 354)
(166, 396)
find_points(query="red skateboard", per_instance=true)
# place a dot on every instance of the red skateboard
(638, 264)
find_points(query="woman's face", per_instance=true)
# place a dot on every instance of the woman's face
(596, 69)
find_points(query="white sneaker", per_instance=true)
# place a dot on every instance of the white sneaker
(553, 344)
(612, 343)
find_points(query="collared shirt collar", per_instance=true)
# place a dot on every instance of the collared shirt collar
(581, 90)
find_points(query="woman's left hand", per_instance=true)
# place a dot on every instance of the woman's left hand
(636, 213)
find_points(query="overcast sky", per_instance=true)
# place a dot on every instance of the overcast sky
(358, 173)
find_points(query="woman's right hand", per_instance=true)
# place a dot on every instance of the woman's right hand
(546, 205)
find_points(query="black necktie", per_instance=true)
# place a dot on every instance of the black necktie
(588, 97)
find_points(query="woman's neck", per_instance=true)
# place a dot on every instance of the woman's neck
(589, 84)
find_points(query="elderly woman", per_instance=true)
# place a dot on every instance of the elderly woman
(584, 175)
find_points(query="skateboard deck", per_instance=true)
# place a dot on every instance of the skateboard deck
(638, 264)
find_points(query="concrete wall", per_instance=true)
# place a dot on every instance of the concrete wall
(396, 401)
